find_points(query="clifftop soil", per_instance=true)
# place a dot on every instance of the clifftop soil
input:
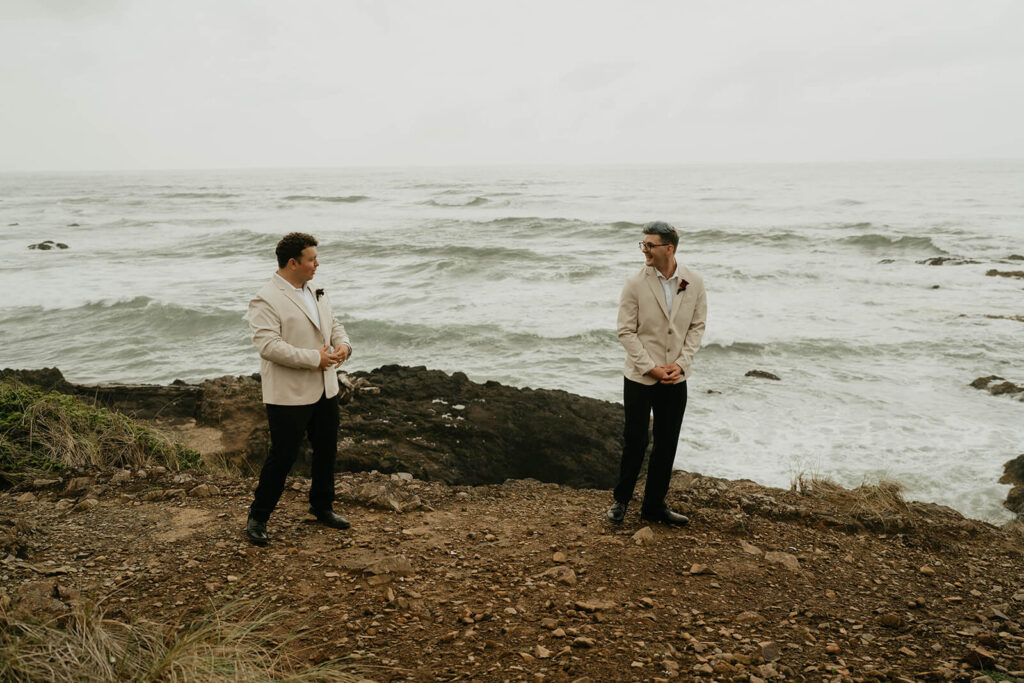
(525, 581)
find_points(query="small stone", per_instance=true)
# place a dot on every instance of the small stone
(548, 623)
(832, 649)
(646, 602)
(542, 652)
(891, 620)
(594, 605)
(27, 497)
(750, 549)
(749, 618)
(561, 574)
(583, 641)
(558, 633)
(232, 578)
(927, 571)
(204, 491)
(769, 651)
(696, 569)
(559, 557)
(785, 559)
(645, 535)
(86, 505)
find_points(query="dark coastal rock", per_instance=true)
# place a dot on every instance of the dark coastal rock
(47, 379)
(1013, 473)
(48, 244)
(1015, 257)
(436, 426)
(1019, 274)
(762, 374)
(999, 386)
(447, 428)
(946, 260)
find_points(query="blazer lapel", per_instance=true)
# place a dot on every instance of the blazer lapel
(291, 295)
(656, 289)
(678, 298)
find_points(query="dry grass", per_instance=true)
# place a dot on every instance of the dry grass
(879, 505)
(236, 642)
(42, 432)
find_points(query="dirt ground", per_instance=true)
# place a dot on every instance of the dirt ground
(526, 581)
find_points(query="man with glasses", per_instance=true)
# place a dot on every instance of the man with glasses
(300, 344)
(661, 322)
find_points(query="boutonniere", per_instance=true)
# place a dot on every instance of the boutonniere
(319, 293)
(682, 285)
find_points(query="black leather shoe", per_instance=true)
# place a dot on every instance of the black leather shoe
(256, 531)
(330, 518)
(616, 513)
(665, 516)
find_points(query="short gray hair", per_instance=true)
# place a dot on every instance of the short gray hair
(663, 230)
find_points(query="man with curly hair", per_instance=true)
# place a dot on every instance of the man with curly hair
(300, 344)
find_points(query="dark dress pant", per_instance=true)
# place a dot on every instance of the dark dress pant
(668, 403)
(288, 425)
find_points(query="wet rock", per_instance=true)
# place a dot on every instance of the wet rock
(1013, 473)
(501, 432)
(946, 260)
(762, 374)
(1019, 274)
(999, 386)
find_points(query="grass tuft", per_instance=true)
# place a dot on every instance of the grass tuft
(48, 432)
(235, 642)
(878, 505)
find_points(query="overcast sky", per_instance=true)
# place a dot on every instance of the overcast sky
(108, 84)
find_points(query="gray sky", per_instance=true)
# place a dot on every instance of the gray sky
(108, 84)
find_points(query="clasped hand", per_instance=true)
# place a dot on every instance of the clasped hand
(331, 359)
(666, 374)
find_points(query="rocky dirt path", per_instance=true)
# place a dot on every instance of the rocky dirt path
(525, 581)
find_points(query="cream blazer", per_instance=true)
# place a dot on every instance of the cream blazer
(651, 334)
(289, 344)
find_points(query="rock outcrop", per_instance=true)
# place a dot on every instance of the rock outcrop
(436, 426)
(447, 428)
(1013, 473)
(999, 386)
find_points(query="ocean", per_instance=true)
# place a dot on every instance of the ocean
(814, 272)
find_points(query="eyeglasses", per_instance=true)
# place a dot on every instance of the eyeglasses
(647, 246)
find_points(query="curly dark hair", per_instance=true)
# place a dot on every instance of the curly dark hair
(291, 247)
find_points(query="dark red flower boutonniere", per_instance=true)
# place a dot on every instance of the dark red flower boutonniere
(319, 293)
(682, 285)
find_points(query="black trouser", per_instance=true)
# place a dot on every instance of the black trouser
(668, 402)
(288, 424)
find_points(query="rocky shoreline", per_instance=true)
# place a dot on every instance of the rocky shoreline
(509, 578)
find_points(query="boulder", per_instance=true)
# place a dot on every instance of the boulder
(762, 374)
(446, 428)
(1013, 473)
(999, 386)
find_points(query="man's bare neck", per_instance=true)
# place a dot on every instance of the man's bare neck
(290, 279)
(669, 269)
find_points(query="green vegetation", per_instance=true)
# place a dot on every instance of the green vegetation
(235, 642)
(49, 432)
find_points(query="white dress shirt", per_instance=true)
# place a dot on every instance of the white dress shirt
(670, 285)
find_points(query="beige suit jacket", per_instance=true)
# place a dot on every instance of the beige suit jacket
(653, 335)
(289, 344)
